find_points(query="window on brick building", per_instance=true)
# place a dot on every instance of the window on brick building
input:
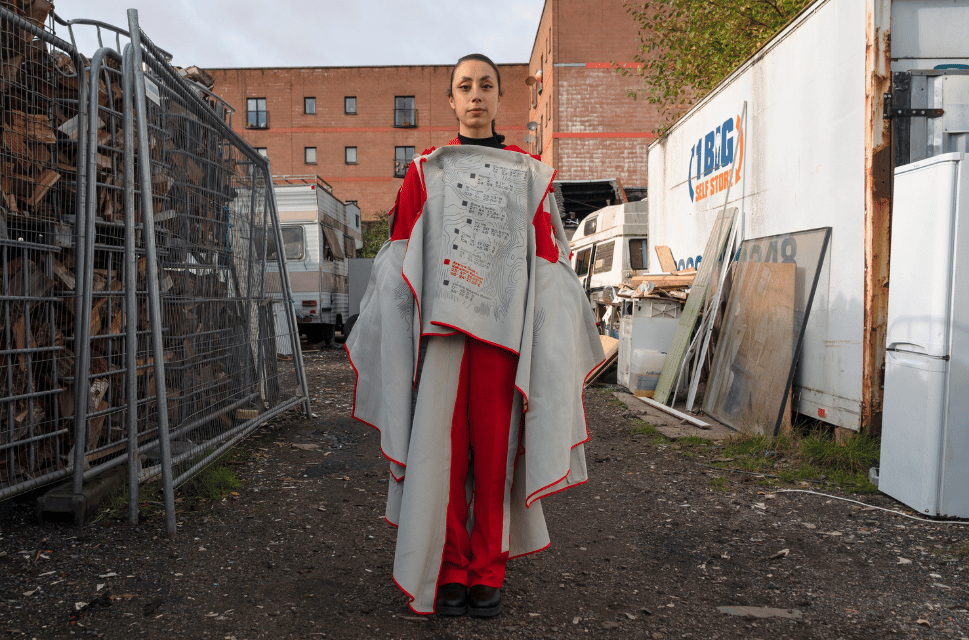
(350, 105)
(350, 155)
(256, 115)
(309, 106)
(309, 155)
(405, 114)
(263, 151)
(403, 156)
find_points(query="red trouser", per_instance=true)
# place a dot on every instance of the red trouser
(482, 417)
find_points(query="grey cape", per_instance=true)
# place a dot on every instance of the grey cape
(470, 268)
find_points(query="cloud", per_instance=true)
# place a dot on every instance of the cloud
(267, 33)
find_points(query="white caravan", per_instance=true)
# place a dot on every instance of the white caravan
(320, 235)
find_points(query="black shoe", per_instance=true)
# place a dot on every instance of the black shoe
(452, 599)
(484, 602)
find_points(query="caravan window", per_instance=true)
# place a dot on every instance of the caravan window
(637, 253)
(292, 240)
(604, 254)
(582, 262)
(590, 226)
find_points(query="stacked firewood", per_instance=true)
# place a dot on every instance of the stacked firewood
(38, 178)
(203, 269)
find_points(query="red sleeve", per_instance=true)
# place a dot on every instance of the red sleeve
(410, 203)
(545, 245)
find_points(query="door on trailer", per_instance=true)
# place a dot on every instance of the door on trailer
(583, 264)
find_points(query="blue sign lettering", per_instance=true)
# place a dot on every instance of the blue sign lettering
(711, 153)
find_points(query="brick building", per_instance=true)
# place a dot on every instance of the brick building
(357, 127)
(353, 125)
(588, 128)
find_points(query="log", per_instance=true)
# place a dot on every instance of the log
(45, 181)
(9, 70)
(200, 76)
(63, 274)
(99, 389)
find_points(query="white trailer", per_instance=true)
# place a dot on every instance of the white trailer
(320, 235)
(815, 150)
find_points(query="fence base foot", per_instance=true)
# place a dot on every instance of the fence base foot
(61, 501)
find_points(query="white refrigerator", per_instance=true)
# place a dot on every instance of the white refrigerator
(925, 420)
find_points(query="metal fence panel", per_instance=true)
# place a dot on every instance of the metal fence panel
(213, 207)
(42, 124)
(100, 318)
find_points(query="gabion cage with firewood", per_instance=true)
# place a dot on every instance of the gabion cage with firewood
(135, 324)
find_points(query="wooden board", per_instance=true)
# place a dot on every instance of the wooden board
(663, 281)
(748, 381)
(666, 261)
(694, 304)
(610, 346)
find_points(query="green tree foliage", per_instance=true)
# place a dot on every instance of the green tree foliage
(688, 46)
(375, 233)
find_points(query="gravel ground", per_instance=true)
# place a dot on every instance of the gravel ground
(650, 547)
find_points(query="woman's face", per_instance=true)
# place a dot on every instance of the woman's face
(474, 98)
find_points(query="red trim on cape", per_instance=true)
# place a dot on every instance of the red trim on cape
(530, 501)
(353, 411)
(461, 331)
(530, 553)
(411, 599)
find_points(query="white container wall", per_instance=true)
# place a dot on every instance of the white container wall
(814, 152)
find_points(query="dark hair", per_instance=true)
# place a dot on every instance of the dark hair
(480, 57)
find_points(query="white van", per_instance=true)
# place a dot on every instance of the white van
(320, 235)
(608, 248)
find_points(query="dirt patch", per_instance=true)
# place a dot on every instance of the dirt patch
(653, 546)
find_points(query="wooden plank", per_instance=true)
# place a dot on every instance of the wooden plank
(663, 281)
(674, 412)
(610, 346)
(694, 304)
(666, 261)
(755, 350)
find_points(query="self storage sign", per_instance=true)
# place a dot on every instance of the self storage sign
(711, 158)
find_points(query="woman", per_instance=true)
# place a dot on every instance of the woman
(471, 350)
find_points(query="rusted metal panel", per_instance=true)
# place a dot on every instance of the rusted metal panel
(878, 208)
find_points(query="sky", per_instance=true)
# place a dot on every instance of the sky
(281, 33)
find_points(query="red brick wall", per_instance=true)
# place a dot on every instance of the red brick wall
(370, 182)
(593, 31)
(591, 128)
(541, 105)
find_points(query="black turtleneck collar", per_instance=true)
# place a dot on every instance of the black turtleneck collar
(482, 142)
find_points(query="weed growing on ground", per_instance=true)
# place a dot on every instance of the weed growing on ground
(962, 552)
(805, 456)
(212, 483)
(718, 483)
(645, 429)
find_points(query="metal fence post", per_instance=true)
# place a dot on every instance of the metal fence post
(131, 291)
(154, 294)
(284, 283)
